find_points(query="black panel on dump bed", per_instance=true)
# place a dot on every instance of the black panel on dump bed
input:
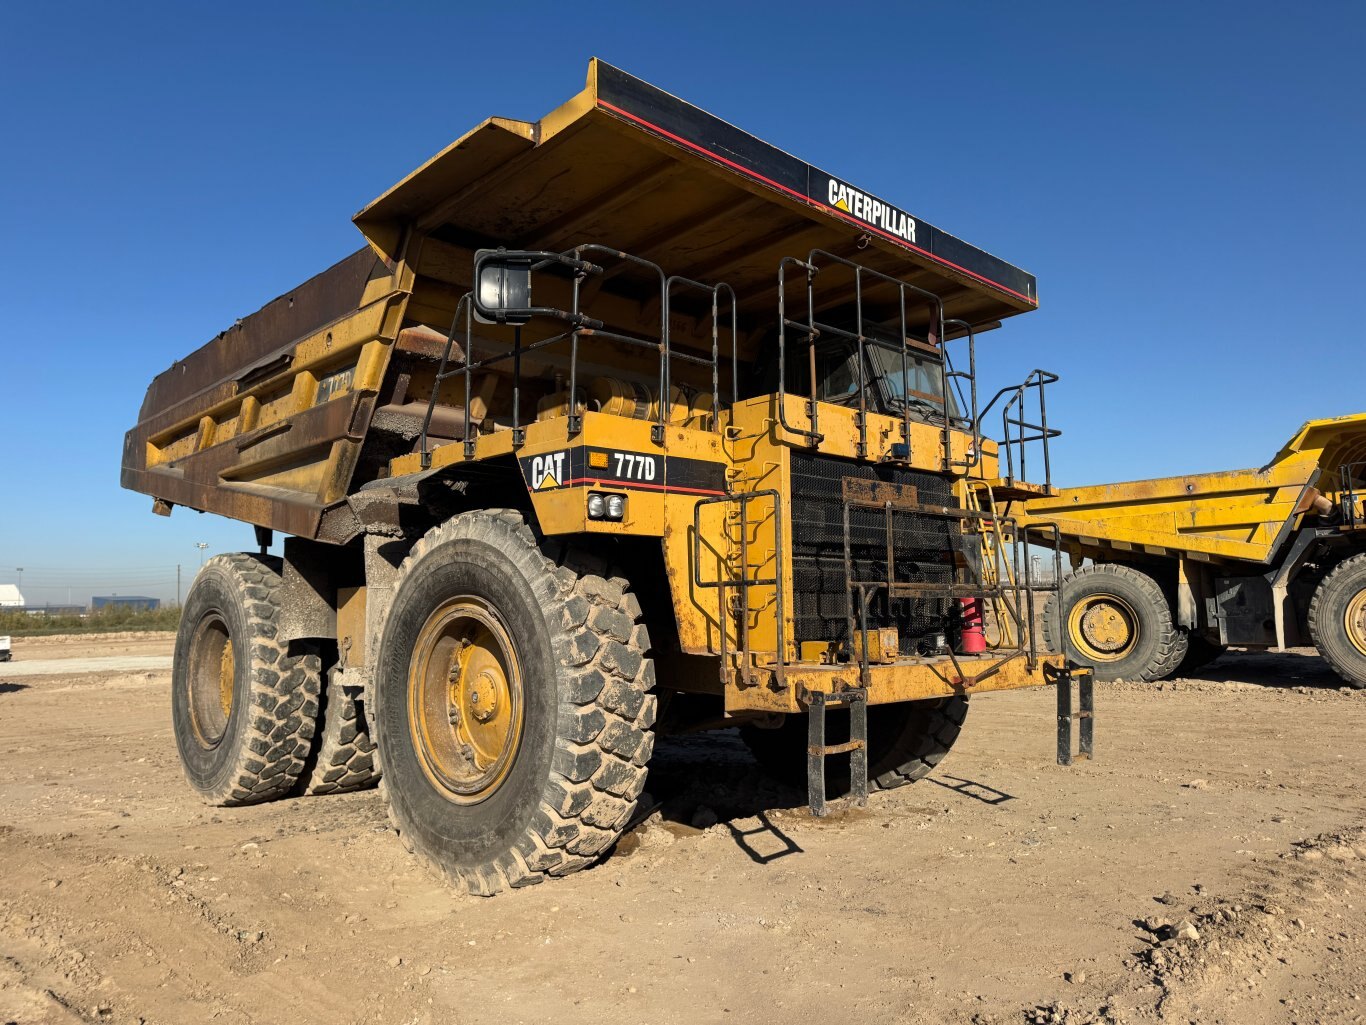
(680, 122)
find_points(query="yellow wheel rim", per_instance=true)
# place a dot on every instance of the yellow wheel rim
(1354, 620)
(465, 703)
(227, 665)
(1103, 627)
(211, 680)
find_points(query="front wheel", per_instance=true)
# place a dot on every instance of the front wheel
(513, 707)
(1337, 619)
(1117, 620)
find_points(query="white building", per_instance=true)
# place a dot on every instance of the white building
(10, 598)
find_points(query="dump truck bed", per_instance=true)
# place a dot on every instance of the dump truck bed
(271, 421)
(1234, 515)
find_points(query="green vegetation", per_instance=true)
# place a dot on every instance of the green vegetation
(106, 620)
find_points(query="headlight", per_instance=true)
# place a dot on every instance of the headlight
(606, 506)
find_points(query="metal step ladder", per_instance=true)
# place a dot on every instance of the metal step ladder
(1085, 714)
(817, 750)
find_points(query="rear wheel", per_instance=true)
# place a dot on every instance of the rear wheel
(905, 742)
(1337, 619)
(1117, 620)
(513, 705)
(344, 755)
(242, 707)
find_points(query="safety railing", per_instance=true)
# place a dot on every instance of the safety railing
(951, 379)
(580, 327)
(1016, 426)
(813, 330)
(1350, 487)
(741, 583)
(1009, 587)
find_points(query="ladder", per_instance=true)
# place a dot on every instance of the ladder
(817, 750)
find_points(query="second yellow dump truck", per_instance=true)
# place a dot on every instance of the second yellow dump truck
(622, 423)
(1172, 571)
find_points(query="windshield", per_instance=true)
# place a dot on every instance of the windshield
(922, 383)
(889, 389)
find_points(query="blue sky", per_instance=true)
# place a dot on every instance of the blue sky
(1184, 179)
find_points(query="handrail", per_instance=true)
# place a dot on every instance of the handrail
(742, 499)
(582, 326)
(1036, 380)
(1349, 474)
(946, 375)
(815, 329)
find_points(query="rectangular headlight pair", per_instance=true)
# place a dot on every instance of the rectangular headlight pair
(606, 506)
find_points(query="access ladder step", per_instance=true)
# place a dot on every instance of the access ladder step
(817, 750)
(1085, 713)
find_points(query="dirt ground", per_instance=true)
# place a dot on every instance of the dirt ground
(128, 643)
(1209, 866)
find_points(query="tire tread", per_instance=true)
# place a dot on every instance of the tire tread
(1172, 641)
(283, 691)
(595, 783)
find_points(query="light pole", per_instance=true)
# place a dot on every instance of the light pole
(201, 545)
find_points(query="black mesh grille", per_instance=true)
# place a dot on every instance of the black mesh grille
(923, 547)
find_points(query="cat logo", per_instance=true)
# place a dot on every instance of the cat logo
(873, 211)
(547, 471)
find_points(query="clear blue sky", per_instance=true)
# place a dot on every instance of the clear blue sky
(1183, 178)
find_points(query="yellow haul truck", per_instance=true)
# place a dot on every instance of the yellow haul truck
(623, 423)
(1178, 569)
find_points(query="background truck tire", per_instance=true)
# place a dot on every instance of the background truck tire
(343, 758)
(243, 708)
(560, 651)
(1337, 619)
(1119, 621)
(905, 741)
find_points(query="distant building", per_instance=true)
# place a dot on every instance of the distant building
(135, 602)
(10, 598)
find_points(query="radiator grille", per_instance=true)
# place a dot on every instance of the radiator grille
(924, 549)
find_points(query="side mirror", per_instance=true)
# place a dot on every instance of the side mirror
(502, 287)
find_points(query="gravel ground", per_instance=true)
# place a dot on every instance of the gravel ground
(1208, 867)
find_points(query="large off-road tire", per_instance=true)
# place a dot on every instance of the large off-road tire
(1200, 652)
(905, 741)
(343, 758)
(1117, 620)
(513, 703)
(243, 708)
(1337, 619)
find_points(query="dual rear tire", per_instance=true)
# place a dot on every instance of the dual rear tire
(252, 719)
